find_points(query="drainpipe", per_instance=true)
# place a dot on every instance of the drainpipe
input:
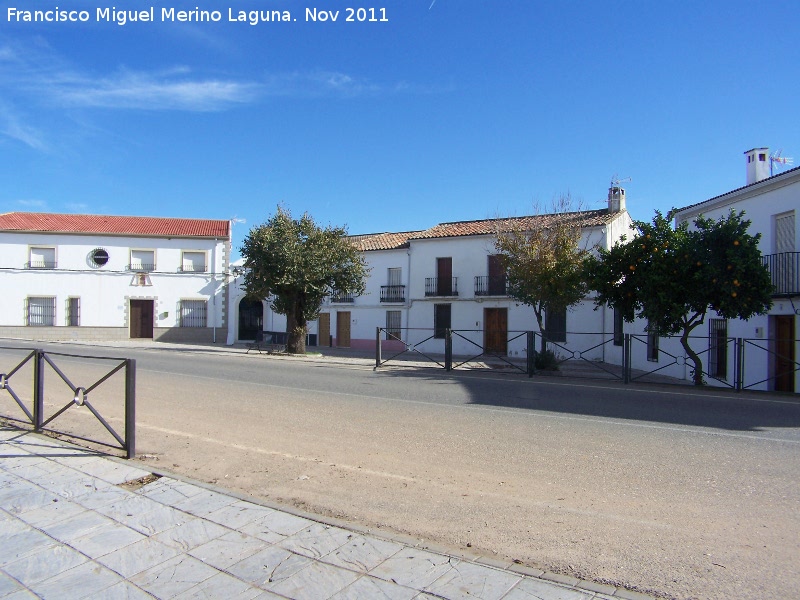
(214, 290)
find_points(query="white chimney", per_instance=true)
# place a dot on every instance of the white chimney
(616, 199)
(757, 164)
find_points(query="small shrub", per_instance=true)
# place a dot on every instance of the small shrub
(546, 361)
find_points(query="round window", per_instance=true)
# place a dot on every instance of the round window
(99, 256)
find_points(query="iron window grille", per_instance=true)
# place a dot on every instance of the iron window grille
(194, 313)
(40, 311)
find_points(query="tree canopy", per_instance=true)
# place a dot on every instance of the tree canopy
(672, 277)
(543, 259)
(296, 264)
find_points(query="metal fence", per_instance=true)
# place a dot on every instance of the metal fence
(33, 407)
(733, 363)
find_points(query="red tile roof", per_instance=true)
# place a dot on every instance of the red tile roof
(113, 225)
(382, 241)
(588, 218)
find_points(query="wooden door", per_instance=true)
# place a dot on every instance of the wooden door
(495, 330)
(141, 315)
(343, 329)
(444, 276)
(324, 329)
(784, 349)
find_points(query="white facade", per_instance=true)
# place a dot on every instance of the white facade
(771, 203)
(112, 285)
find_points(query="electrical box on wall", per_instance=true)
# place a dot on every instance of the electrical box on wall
(760, 332)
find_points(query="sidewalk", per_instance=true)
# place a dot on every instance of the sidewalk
(78, 524)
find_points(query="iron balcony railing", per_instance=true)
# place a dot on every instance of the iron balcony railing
(784, 269)
(141, 267)
(342, 297)
(441, 286)
(41, 264)
(491, 285)
(187, 268)
(393, 293)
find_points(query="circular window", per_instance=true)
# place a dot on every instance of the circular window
(99, 256)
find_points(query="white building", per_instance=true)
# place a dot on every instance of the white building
(96, 277)
(422, 282)
(770, 341)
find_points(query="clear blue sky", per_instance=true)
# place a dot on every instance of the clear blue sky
(463, 109)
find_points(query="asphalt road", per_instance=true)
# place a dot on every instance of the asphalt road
(689, 494)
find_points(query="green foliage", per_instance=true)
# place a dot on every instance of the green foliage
(297, 264)
(673, 276)
(546, 361)
(543, 258)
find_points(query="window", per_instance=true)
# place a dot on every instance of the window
(143, 260)
(41, 311)
(652, 344)
(394, 276)
(555, 324)
(441, 319)
(99, 257)
(42, 258)
(193, 262)
(762, 157)
(193, 313)
(718, 348)
(393, 325)
(619, 336)
(73, 312)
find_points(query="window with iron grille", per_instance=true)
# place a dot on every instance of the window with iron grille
(555, 324)
(143, 260)
(73, 312)
(441, 319)
(393, 325)
(193, 313)
(41, 311)
(718, 348)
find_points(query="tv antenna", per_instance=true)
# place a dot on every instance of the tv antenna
(236, 220)
(615, 180)
(776, 159)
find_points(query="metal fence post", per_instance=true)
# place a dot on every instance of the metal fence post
(38, 389)
(626, 358)
(531, 352)
(448, 349)
(377, 347)
(130, 407)
(739, 375)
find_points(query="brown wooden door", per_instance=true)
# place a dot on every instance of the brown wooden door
(784, 349)
(141, 313)
(444, 276)
(343, 329)
(324, 329)
(495, 330)
(497, 276)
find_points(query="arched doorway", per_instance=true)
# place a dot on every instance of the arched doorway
(251, 318)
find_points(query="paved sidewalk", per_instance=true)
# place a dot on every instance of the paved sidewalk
(77, 524)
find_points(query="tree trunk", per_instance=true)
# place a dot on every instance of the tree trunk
(697, 375)
(295, 331)
(542, 331)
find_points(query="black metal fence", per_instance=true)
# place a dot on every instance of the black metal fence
(33, 408)
(727, 362)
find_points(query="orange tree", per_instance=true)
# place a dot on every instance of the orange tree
(673, 276)
(296, 264)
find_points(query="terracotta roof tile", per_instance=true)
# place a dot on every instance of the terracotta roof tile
(382, 241)
(589, 218)
(114, 225)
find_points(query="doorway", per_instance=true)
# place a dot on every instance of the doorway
(495, 330)
(785, 363)
(324, 329)
(343, 329)
(251, 318)
(142, 318)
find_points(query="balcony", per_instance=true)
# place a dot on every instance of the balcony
(189, 268)
(41, 264)
(141, 267)
(784, 270)
(342, 297)
(393, 293)
(441, 286)
(491, 285)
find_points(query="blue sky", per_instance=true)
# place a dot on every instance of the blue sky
(456, 110)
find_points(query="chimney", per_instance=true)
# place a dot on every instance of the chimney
(757, 164)
(616, 199)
